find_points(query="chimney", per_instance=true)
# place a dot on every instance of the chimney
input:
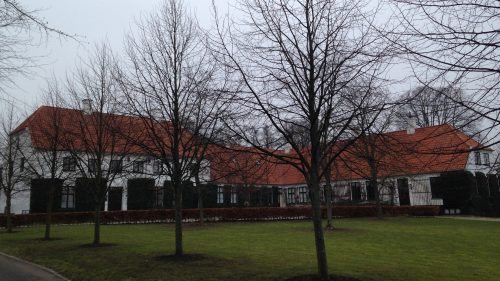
(412, 124)
(87, 106)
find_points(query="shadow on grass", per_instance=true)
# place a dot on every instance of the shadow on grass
(7, 233)
(186, 258)
(311, 277)
(49, 240)
(97, 246)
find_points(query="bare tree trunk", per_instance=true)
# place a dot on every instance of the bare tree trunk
(178, 220)
(48, 216)
(328, 199)
(378, 203)
(97, 225)
(318, 228)
(8, 213)
(200, 198)
(329, 205)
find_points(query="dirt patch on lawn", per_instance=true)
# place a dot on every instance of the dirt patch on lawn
(312, 277)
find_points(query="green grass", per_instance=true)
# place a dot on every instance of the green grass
(369, 249)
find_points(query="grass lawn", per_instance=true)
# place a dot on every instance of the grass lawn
(369, 249)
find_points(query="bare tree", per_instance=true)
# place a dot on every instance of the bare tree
(373, 145)
(98, 139)
(18, 26)
(13, 172)
(430, 107)
(455, 43)
(294, 63)
(47, 162)
(167, 82)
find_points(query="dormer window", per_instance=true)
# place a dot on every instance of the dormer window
(477, 157)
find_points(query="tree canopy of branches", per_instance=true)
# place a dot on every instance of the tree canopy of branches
(17, 26)
(167, 81)
(48, 163)
(455, 43)
(12, 160)
(97, 130)
(430, 107)
(294, 65)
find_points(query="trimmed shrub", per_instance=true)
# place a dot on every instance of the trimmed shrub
(218, 214)
(457, 189)
(493, 185)
(482, 185)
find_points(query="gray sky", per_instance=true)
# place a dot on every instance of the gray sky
(95, 20)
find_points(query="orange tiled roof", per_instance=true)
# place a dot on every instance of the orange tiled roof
(78, 131)
(429, 150)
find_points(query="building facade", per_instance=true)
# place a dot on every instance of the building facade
(406, 164)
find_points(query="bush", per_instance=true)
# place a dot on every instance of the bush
(457, 189)
(217, 214)
(493, 184)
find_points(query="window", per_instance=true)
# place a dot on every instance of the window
(370, 191)
(68, 197)
(92, 165)
(22, 164)
(116, 166)
(291, 195)
(302, 194)
(220, 195)
(355, 191)
(157, 167)
(69, 164)
(486, 158)
(435, 187)
(234, 195)
(159, 197)
(477, 156)
(138, 167)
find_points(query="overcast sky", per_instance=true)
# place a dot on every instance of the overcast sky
(95, 20)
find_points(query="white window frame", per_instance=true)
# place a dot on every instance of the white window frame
(68, 197)
(234, 195)
(220, 195)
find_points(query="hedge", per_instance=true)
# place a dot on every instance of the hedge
(217, 215)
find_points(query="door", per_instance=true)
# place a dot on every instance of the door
(115, 199)
(404, 192)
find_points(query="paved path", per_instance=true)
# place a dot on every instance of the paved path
(470, 218)
(14, 269)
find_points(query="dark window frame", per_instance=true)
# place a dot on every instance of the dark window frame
(220, 195)
(291, 195)
(92, 165)
(234, 195)
(157, 167)
(138, 167)
(486, 159)
(22, 164)
(116, 166)
(69, 164)
(303, 198)
(477, 157)
(356, 185)
(67, 196)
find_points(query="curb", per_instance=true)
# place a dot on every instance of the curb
(35, 265)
